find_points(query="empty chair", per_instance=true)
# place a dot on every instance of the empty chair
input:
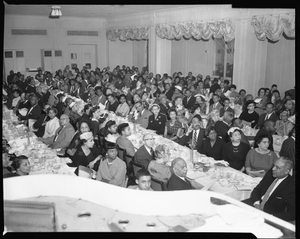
(157, 185)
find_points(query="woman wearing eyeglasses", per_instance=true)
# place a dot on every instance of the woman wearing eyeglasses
(212, 145)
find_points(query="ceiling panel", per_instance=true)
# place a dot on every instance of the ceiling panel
(101, 11)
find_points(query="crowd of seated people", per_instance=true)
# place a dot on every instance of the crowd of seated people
(172, 106)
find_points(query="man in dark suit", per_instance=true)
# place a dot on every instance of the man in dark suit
(275, 194)
(226, 107)
(145, 153)
(288, 146)
(33, 113)
(39, 126)
(142, 115)
(195, 134)
(270, 114)
(214, 86)
(223, 126)
(63, 135)
(189, 100)
(178, 180)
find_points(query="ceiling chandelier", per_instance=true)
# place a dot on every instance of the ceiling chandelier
(55, 12)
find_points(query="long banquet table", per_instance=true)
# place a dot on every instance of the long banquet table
(42, 159)
(218, 177)
(223, 179)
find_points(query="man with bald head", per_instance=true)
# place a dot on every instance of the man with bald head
(63, 135)
(178, 179)
(275, 194)
(145, 153)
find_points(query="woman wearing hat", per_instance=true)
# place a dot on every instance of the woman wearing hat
(84, 155)
(177, 92)
(157, 121)
(249, 116)
(112, 169)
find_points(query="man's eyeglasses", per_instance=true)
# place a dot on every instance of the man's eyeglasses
(150, 139)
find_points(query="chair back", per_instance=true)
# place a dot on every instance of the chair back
(136, 166)
(157, 185)
(84, 172)
(125, 182)
(121, 153)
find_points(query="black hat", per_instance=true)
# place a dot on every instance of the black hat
(248, 102)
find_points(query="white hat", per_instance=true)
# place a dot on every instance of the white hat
(178, 87)
(86, 135)
(257, 100)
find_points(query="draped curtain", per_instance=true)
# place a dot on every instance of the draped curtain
(197, 30)
(128, 33)
(272, 27)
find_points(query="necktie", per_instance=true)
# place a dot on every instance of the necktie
(267, 116)
(58, 133)
(267, 194)
(152, 152)
(195, 138)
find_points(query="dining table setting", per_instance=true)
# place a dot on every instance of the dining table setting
(214, 175)
(22, 141)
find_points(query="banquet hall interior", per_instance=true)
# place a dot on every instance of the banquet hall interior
(163, 90)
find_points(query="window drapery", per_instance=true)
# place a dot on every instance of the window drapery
(128, 33)
(272, 27)
(197, 30)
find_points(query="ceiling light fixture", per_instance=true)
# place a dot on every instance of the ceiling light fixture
(55, 12)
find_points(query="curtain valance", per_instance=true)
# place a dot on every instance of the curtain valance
(272, 27)
(128, 33)
(197, 30)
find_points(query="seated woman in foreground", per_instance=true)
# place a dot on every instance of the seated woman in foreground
(212, 145)
(84, 155)
(260, 160)
(158, 168)
(112, 169)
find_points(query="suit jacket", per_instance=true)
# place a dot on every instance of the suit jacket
(222, 111)
(176, 183)
(169, 94)
(33, 113)
(78, 93)
(281, 202)
(221, 128)
(190, 103)
(261, 120)
(218, 107)
(126, 144)
(143, 157)
(184, 140)
(38, 125)
(157, 124)
(102, 99)
(63, 138)
(288, 149)
(144, 119)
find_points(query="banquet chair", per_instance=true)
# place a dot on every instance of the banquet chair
(125, 182)
(121, 153)
(136, 167)
(84, 172)
(157, 185)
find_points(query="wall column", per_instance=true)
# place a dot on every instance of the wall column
(249, 69)
(163, 56)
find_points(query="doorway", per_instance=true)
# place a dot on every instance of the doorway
(83, 55)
